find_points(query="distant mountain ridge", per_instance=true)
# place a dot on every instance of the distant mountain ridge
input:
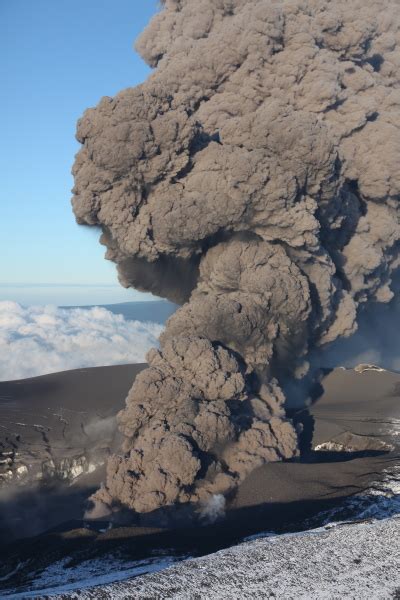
(156, 311)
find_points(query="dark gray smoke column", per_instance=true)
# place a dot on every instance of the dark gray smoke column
(254, 178)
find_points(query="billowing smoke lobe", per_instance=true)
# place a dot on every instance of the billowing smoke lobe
(254, 180)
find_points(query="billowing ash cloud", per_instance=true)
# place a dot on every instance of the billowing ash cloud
(253, 179)
(45, 339)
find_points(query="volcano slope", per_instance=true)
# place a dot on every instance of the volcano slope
(349, 470)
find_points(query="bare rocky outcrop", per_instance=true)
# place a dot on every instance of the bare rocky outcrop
(253, 179)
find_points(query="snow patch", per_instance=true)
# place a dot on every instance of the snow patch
(361, 368)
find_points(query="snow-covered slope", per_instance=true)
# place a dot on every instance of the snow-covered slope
(356, 561)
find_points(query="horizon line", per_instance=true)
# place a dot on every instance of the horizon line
(88, 285)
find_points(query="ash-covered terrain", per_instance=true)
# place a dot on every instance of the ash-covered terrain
(56, 430)
(348, 470)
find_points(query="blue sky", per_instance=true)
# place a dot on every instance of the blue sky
(58, 57)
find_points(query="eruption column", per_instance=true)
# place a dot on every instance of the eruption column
(254, 180)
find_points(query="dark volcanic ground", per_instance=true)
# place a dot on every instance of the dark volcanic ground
(55, 430)
(60, 428)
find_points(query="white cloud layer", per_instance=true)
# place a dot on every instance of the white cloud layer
(46, 339)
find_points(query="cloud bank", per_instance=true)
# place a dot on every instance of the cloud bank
(45, 339)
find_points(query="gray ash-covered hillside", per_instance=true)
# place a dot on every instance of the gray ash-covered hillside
(253, 179)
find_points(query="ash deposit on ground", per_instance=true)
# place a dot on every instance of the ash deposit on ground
(253, 179)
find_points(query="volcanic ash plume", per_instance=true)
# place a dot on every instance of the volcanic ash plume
(254, 179)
